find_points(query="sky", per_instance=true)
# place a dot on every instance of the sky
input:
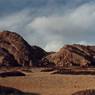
(50, 24)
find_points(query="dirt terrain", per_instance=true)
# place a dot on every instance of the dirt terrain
(45, 83)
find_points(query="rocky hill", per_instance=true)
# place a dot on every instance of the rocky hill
(72, 55)
(15, 51)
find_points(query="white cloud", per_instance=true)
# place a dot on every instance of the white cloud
(79, 20)
(54, 45)
(15, 21)
(76, 25)
(83, 43)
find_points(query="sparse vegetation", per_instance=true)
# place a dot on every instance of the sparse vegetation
(85, 92)
(75, 70)
(47, 84)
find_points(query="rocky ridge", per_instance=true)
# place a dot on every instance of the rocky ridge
(73, 55)
(15, 51)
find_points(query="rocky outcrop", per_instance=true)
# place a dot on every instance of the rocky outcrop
(6, 59)
(15, 51)
(48, 61)
(73, 55)
(16, 46)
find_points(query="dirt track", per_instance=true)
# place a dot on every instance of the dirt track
(45, 83)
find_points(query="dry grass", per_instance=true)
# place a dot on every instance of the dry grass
(46, 83)
(47, 70)
(75, 70)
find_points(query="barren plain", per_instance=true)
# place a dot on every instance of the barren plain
(46, 83)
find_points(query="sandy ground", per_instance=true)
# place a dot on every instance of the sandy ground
(45, 83)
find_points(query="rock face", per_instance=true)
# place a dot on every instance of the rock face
(38, 53)
(73, 55)
(6, 59)
(16, 46)
(15, 51)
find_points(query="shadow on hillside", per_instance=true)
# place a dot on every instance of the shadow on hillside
(74, 72)
(12, 74)
(13, 91)
(85, 92)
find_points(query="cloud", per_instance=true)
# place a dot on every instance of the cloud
(77, 21)
(83, 43)
(15, 21)
(54, 45)
(18, 22)
(54, 23)
(76, 25)
(9, 6)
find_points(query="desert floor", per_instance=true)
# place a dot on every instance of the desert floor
(45, 83)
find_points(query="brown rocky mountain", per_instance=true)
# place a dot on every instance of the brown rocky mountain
(15, 51)
(72, 55)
